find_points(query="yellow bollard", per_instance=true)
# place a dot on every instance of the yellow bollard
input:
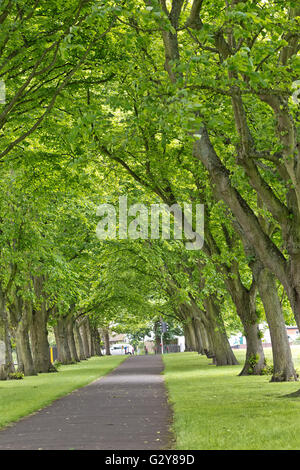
(51, 355)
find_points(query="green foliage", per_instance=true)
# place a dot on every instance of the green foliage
(15, 376)
(253, 360)
(268, 369)
(97, 109)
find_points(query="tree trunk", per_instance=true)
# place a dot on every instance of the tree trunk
(4, 371)
(221, 347)
(192, 335)
(23, 342)
(255, 356)
(91, 340)
(71, 339)
(245, 303)
(96, 340)
(8, 367)
(39, 342)
(85, 339)
(198, 335)
(106, 341)
(24, 350)
(282, 357)
(38, 330)
(61, 337)
(79, 342)
(19, 359)
(187, 339)
(207, 344)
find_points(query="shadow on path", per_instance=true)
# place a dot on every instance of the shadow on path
(126, 409)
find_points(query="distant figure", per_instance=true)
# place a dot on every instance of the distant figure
(146, 350)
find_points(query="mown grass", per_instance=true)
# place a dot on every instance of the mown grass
(19, 398)
(214, 409)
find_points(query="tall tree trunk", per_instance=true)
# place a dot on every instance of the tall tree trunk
(187, 338)
(61, 337)
(22, 339)
(71, 339)
(8, 367)
(245, 303)
(221, 347)
(255, 360)
(198, 335)
(39, 342)
(282, 357)
(79, 342)
(96, 340)
(85, 338)
(91, 340)
(24, 349)
(207, 346)
(19, 357)
(38, 330)
(192, 335)
(106, 341)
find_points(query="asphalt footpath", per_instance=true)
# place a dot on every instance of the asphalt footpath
(124, 410)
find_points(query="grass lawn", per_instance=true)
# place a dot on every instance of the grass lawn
(216, 409)
(19, 398)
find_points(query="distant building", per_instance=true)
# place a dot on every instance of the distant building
(293, 332)
(239, 341)
(115, 338)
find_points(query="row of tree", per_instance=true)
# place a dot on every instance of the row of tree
(163, 101)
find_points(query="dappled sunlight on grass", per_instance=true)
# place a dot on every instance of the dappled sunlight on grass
(216, 409)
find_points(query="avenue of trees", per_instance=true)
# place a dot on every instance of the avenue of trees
(162, 101)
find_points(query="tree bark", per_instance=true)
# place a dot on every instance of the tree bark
(91, 340)
(79, 342)
(221, 347)
(255, 357)
(8, 367)
(106, 341)
(198, 335)
(85, 338)
(71, 339)
(39, 342)
(19, 360)
(192, 335)
(24, 349)
(96, 340)
(23, 320)
(187, 339)
(245, 303)
(39, 332)
(282, 357)
(62, 343)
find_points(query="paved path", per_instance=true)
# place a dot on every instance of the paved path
(126, 409)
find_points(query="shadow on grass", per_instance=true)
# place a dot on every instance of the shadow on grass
(292, 395)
